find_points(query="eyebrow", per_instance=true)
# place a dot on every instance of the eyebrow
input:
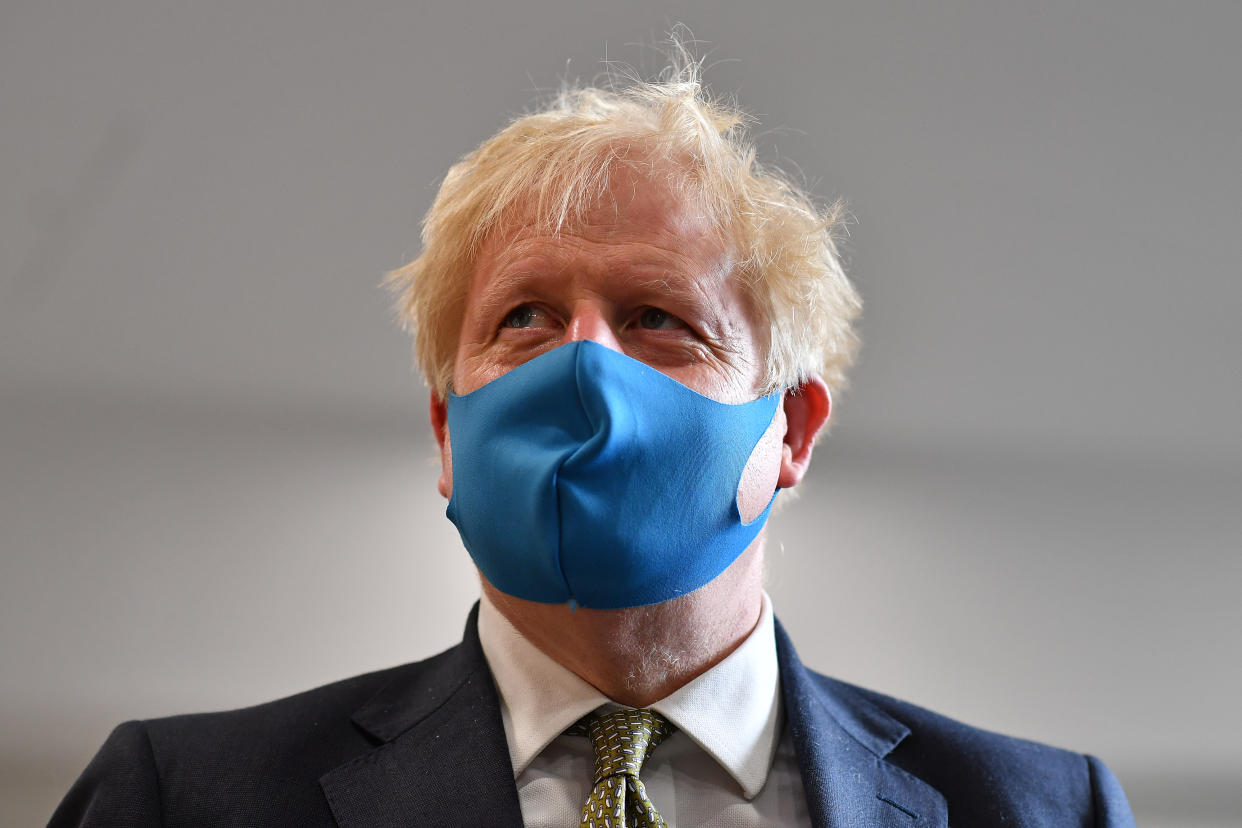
(508, 284)
(502, 289)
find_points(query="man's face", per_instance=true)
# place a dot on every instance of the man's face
(645, 275)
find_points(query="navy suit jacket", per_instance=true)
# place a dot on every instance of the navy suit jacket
(423, 744)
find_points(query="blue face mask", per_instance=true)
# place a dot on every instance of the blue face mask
(588, 477)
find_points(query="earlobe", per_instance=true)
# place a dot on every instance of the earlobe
(438, 411)
(807, 409)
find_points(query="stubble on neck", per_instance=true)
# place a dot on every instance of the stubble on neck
(639, 655)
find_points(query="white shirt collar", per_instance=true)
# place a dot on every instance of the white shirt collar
(732, 711)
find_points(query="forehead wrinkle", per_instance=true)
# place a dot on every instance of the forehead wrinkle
(681, 261)
(534, 260)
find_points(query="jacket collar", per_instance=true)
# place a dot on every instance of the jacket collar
(442, 757)
(841, 740)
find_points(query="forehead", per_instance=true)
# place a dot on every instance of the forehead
(638, 224)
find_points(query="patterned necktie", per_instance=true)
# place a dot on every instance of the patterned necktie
(622, 740)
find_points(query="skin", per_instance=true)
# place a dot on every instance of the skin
(643, 274)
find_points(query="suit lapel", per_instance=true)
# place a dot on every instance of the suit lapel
(841, 741)
(442, 757)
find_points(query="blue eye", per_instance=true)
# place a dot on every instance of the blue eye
(520, 317)
(654, 319)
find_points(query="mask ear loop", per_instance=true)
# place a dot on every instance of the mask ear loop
(755, 458)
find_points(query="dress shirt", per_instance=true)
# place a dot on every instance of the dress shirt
(730, 763)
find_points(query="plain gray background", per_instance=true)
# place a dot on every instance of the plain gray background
(215, 470)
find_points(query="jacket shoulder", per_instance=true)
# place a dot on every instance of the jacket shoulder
(257, 765)
(291, 722)
(990, 778)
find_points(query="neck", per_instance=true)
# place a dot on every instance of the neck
(638, 656)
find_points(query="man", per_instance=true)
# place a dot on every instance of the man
(632, 334)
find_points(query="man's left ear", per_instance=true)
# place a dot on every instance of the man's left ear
(807, 408)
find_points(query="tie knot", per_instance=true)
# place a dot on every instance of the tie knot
(623, 739)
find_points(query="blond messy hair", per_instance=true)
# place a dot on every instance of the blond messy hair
(551, 167)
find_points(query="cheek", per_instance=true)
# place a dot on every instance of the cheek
(473, 371)
(729, 381)
(754, 490)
